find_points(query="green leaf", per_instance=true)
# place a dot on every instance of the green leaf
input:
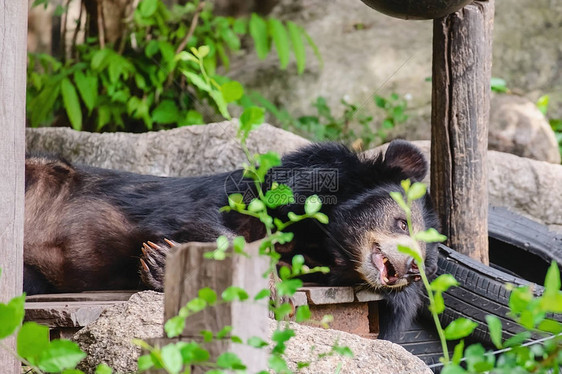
(279, 196)
(236, 201)
(280, 337)
(439, 303)
(288, 287)
(208, 295)
(145, 362)
(262, 294)
(417, 191)
(224, 332)
(397, 196)
(221, 104)
(171, 358)
(312, 205)
(258, 31)
(411, 252)
(234, 293)
(232, 91)
(60, 355)
(32, 340)
(278, 364)
(88, 89)
(542, 104)
(100, 59)
(443, 282)
(174, 326)
(551, 326)
(197, 81)
(222, 243)
(71, 104)
(256, 206)
(250, 119)
(229, 360)
(103, 369)
(498, 85)
(517, 339)
(196, 305)
(256, 342)
(303, 313)
(321, 217)
(295, 34)
(495, 329)
(520, 299)
(453, 369)
(147, 8)
(192, 117)
(459, 328)
(207, 335)
(458, 353)
(11, 316)
(551, 302)
(238, 244)
(166, 112)
(266, 162)
(280, 40)
(552, 280)
(430, 236)
(282, 311)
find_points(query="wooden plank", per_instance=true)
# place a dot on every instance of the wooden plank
(13, 57)
(187, 271)
(66, 314)
(83, 296)
(462, 57)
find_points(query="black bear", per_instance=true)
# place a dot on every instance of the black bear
(85, 227)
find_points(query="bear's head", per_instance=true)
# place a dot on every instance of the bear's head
(368, 228)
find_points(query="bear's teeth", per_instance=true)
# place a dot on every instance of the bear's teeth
(385, 279)
(384, 260)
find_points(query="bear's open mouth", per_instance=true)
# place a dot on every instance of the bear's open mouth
(388, 274)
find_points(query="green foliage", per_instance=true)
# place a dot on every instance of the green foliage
(555, 123)
(160, 74)
(532, 313)
(353, 126)
(498, 85)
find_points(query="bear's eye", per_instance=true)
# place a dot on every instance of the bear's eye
(402, 225)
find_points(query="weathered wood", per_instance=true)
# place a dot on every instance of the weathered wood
(82, 296)
(187, 271)
(462, 56)
(13, 41)
(66, 313)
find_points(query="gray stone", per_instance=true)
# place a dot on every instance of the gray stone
(519, 128)
(369, 356)
(186, 151)
(109, 340)
(526, 186)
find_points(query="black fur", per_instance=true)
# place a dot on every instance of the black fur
(152, 208)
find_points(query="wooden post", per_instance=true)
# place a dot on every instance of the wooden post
(13, 45)
(462, 58)
(187, 271)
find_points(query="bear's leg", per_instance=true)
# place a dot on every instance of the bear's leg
(153, 264)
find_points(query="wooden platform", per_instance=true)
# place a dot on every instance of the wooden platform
(353, 311)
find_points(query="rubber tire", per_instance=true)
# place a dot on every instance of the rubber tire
(481, 291)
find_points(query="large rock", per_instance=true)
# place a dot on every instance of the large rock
(529, 187)
(365, 52)
(108, 340)
(517, 126)
(186, 151)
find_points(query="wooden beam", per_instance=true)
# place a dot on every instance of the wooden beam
(187, 271)
(13, 45)
(462, 58)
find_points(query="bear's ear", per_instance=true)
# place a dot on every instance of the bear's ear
(406, 156)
